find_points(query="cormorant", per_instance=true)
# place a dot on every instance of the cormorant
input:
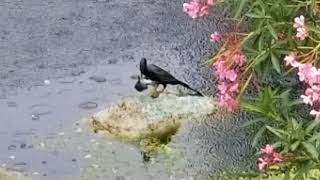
(160, 76)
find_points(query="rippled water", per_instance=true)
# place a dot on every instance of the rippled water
(62, 60)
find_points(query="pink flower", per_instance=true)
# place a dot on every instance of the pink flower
(210, 2)
(216, 37)
(307, 99)
(229, 79)
(304, 72)
(310, 75)
(267, 149)
(198, 8)
(240, 59)
(262, 163)
(231, 75)
(298, 22)
(315, 113)
(234, 87)
(291, 60)
(222, 88)
(301, 33)
(269, 156)
(300, 27)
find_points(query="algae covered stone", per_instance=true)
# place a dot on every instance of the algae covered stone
(135, 118)
(11, 175)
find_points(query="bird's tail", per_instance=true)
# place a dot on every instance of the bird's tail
(187, 86)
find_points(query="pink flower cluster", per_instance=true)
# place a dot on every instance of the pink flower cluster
(216, 37)
(269, 157)
(300, 27)
(198, 8)
(310, 75)
(229, 79)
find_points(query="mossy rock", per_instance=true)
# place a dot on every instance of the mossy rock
(11, 175)
(137, 118)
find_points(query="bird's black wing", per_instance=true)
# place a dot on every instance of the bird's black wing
(158, 74)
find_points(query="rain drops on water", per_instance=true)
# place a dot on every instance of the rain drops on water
(12, 157)
(88, 156)
(46, 82)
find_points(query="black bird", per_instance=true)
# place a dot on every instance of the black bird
(160, 76)
(139, 86)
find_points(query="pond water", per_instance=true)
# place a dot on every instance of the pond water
(62, 60)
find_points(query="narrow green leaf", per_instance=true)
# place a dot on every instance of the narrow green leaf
(272, 31)
(260, 42)
(311, 126)
(275, 62)
(262, 58)
(241, 6)
(311, 150)
(258, 136)
(314, 137)
(286, 175)
(276, 145)
(251, 107)
(274, 131)
(249, 123)
(251, 15)
(295, 145)
(295, 102)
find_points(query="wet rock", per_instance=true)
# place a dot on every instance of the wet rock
(11, 175)
(23, 146)
(77, 73)
(138, 117)
(88, 105)
(98, 79)
(12, 147)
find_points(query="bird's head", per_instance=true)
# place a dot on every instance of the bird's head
(143, 61)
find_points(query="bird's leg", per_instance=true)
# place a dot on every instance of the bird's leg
(154, 91)
(164, 87)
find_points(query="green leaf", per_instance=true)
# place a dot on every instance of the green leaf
(295, 145)
(260, 42)
(275, 62)
(251, 107)
(274, 131)
(258, 136)
(286, 175)
(251, 15)
(262, 57)
(295, 102)
(314, 137)
(311, 126)
(277, 144)
(272, 31)
(311, 150)
(249, 123)
(241, 6)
